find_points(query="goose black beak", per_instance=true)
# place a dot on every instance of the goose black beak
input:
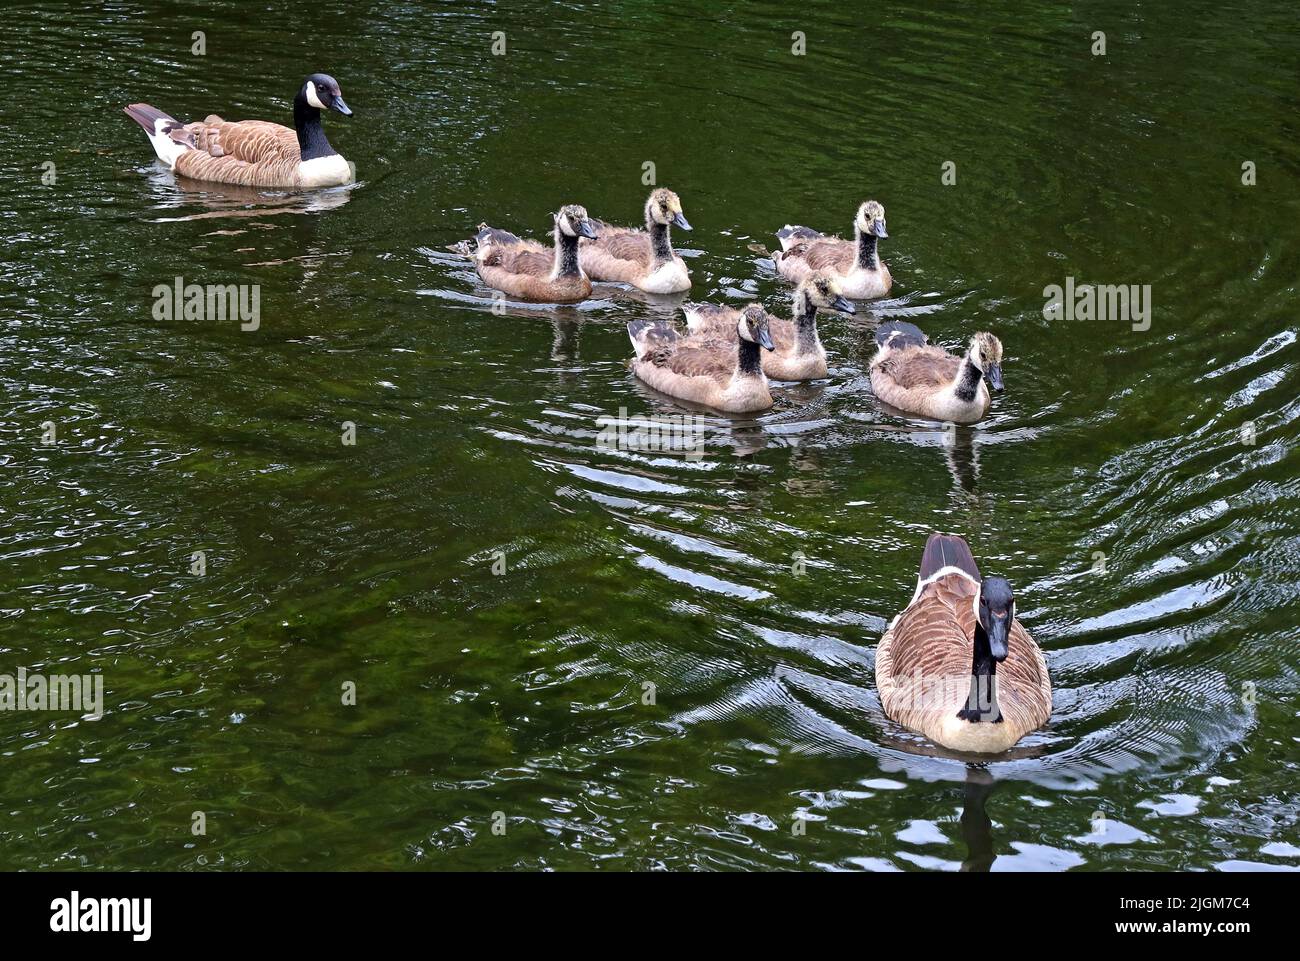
(338, 104)
(680, 221)
(765, 340)
(999, 628)
(587, 230)
(878, 228)
(994, 374)
(844, 305)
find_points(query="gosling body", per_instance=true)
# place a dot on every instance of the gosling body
(726, 376)
(855, 263)
(527, 270)
(641, 258)
(910, 373)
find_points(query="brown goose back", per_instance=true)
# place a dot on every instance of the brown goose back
(923, 667)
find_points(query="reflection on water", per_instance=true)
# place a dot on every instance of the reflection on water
(647, 661)
(172, 192)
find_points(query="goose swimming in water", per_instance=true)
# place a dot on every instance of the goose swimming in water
(527, 270)
(254, 153)
(956, 665)
(724, 375)
(642, 258)
(861, 272)
(910, 373)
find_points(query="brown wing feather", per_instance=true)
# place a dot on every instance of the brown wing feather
(629, 245)
(927, 366)
(523, 259)
(834, 255)
(705, 359)
(254, 153)
(523, 269)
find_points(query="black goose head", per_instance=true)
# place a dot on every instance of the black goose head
(753, 327)
(997, 610)
(321, 91)
(572, 221)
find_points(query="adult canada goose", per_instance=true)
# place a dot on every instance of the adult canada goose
(910, 373)
(642, 258)
(726, 376)
(956, 665)
(862, 273)
(527, 270)
(254, 153)
(799, 354)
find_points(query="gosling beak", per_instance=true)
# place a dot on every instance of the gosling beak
(587, 230)
(878, 227)
(999, 628)
(765, 340)
(680, 221)
(844, 305)
(994, 374)
(338, 104)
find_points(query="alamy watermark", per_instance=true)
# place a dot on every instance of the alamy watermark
(1127, 302)
(654, 433)
(54, 692)
(182, 301)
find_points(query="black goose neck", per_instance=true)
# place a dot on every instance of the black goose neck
(982, 662)
(749, 361)
(982, 702)
(660, 242)
(805, 322)
(312, 142)
(968, 380)
(566, 254)
(867, 258)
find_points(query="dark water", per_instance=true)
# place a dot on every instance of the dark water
(1175, 670)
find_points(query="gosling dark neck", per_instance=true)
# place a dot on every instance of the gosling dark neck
(566, 254)
(805, 324)
(968, 380)
(660, 243)
(867, 258)
(750, 363)
(311, 135)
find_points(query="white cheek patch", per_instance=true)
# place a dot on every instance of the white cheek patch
(312, 98)
(742, 329)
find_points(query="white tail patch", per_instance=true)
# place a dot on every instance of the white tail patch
(164, 146)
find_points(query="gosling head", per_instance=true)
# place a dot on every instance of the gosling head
(986, 354)
(571, 220)
(996, 610)
(665, 207)
(871, 219)
(752, 326)
(321, 91)
(823, 290)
